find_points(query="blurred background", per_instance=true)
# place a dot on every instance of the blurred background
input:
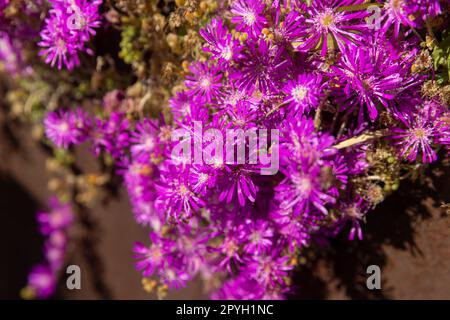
(408, 236)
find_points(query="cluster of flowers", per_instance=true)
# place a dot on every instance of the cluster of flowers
(68, 27)
(53, 225)
(335, 88)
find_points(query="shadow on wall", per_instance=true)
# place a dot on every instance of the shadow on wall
(20, 242)
(392, 224)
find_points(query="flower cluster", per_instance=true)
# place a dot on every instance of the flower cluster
(69, 26)
(338, 89)
(225, 218)
(53, 226)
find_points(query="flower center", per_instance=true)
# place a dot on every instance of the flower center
(420, 133)
(156, 255)
(64, 127)
(203, 177)
(353, 212)
(149, 143)
(304, 186)
(44, 280)
(327, 19)
(256, 237)
(227, 53)
(205, 83)
(183, 190)
(230, 248)
(299, 93)
(249, 18)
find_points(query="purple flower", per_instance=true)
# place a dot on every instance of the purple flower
(269, 270)
(67, 28)
(192, 249)
(42, 281)
(325, 25)
(182, 105)
(174, 276)
(303, 186)
(139, 179)
(302, 143)
(289, 30)
(54, 255)
(302, 189)
(258, 236)
(368, 77)
(112, 135)
(204, 81)
(145, 138)
(238, 181)
(154, 257)
(60, 47)
(353, 211)
(84, 18)
(221, 44)
(248, 15)
(419, 133)
(304, 93)
(203, 178)
(59, 217)
(65, 128)
(240, 288)
(409, 13)
(12, 55)
(261, 67)
(175, 194)
(229, 249)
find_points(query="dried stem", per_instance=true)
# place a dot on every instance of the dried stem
(360, 139)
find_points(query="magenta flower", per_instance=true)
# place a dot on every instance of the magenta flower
(68, 27)
(229, 249)
(290, 30)
(369, 78)
(419, 133)
(66, 128)
(269, 270)
(84, 18)
(238, 181)
(304, 93)
(175, 194)
(154, 257)
(57, 218)
(145, 138)
(325, 25)
(174, 276)
(303, 190)
(409, 13)
(203, 178)
(182, 105)
(42, 281)
(248, 15)
(221, 44)
(204, 81)
(54, 255)
(261, 67)
(353, 212)
(240, 288)
(112, 135)
(258, 236)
